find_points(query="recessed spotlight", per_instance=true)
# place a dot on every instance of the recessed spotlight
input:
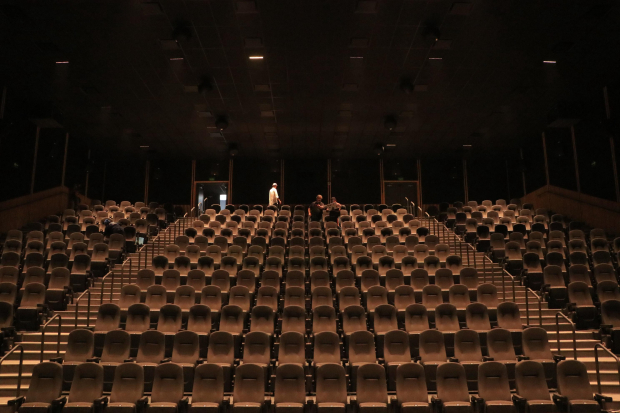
(390, 145)
(63, 62)
(466, 146)
(176, 58)
(549, 61)
(256, 57)
(357, 57)
(435, 58)
(144, 146)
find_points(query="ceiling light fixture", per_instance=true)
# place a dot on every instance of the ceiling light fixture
(256, 57)
(435, 58)
(390, 145)
(550, 61)
(176, 58)
(357, 57)
(64, 62)
(466, 146)
(144, 146)
(389, 122)
(221, 123)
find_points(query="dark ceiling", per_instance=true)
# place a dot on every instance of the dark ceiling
(159, 73)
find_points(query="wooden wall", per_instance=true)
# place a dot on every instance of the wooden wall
(596, 212)
(17, 212)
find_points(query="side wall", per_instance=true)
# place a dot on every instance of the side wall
(596, 212)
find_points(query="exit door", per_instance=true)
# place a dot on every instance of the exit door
(401, 192)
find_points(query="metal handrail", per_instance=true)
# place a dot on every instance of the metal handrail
(103, 283)
(557, 329)
(21, 364)
(77, 304)
(43, 334)
(596, 363)
(527, 306)
(128, 260)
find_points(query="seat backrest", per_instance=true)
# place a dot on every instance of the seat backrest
(231, 319)
(199, 319)
(530, 381)
(256, 348)
(128, 385)
(535, 344)
(499, 345)
(477, 317)
(249, 384)
(167, 383)
(411, 383)
(493, 382)
(573, 380)
(152, 347)
(221, 348)
(45, 383)
(80, 345)
(208, 384)
(294, 319)
(108, 317)
(186, 347)
(452, 383)
(396, 347)
(290, 384)
(432, 346)
(446, 318)
(116, 346)
(326, 347)
(467, 346)
(416, 318)
(170, 318)
(292, 348)
(371, 384)
(385, 318)
(331, 384)
(509, 316)
(87, 384)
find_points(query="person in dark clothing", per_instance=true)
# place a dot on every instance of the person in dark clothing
(334, 210)
(315, 210)
(74, 198)
(111, 228)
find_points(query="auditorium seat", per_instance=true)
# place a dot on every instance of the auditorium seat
(86, 391)
(452, 395)
(44, 391)
(127, 389)
(574, 390)
(208, 389)
(494, 389)
(167, 394)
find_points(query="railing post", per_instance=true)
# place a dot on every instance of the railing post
(21, 364)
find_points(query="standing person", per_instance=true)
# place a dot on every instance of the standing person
(334, 210)
(274, 199)
(315, 210)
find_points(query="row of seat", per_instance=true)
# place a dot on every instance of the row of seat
(289, 395)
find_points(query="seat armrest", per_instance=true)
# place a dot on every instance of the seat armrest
(100, 404)
(56, 360)
(17, 402)
(521, 358)
(437, 403)
(166, 360)
(59, 403)
(558, 357)
(487, 358)
(182, 405)
(453, 360)
(142, 403)
(417, 359)
(93, 359)
(559, 400)
(518, 400)
(130, 360)
(478, 403)
(606, 328)
(602, 399)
